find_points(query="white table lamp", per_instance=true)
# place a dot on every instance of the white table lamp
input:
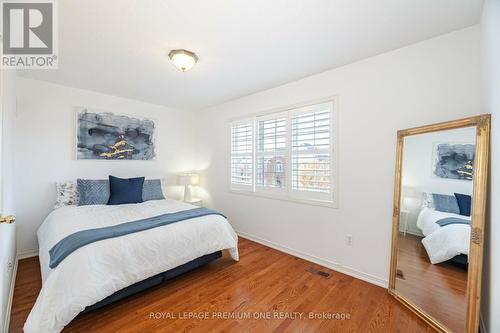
(188, 179)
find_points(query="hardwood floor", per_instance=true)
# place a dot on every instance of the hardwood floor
(265, 282)
(440, 289)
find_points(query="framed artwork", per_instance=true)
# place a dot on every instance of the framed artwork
(110, 136)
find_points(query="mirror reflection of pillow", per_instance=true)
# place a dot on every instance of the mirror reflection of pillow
(427, 200)
(446, 203)
(464, 203)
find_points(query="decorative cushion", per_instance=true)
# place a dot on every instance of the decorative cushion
(125, 191)
(93, 191)
(152, 190)
(464, 203)
(66, 194)
(445, 203)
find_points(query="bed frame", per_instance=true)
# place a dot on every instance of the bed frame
(155, 280)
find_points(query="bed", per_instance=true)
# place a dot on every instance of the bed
(111, 269)
(443, 243)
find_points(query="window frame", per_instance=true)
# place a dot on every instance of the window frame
(306, 197)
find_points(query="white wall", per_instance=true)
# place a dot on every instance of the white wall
(418, 162)
(435, 80)
(7, 232)
(490, 49)
(45, 148)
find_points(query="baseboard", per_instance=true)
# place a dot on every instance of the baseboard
(27, 254)
(326, 263)
(11, 297)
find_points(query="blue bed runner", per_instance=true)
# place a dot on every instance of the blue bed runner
(73, 242)
(452, 220)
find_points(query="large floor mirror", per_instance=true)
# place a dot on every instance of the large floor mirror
(438, 222)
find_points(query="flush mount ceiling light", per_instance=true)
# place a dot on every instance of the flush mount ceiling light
(184, 60)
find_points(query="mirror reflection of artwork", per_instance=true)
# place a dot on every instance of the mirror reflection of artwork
(108, 136)
(454, 161)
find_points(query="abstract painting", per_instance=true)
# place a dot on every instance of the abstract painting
(454, 161)
(109, 136)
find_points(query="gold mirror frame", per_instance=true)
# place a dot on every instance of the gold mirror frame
(482, 123)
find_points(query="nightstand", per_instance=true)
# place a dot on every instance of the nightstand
(196, 202)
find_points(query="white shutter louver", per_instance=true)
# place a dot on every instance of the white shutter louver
(271, 152)
(242, 155)
(311, 151)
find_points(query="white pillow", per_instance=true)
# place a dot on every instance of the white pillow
(66, 194)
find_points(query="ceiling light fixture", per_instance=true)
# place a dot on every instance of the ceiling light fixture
(184, 60)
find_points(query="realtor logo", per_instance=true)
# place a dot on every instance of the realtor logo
(29, 34)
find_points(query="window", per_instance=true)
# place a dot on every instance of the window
(286, 155)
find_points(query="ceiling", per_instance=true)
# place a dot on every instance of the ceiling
(120, 47)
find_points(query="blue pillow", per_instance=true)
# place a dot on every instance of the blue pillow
(152, 190)
(464, 203)
(93, 191)
(446, 203)
(125, 191)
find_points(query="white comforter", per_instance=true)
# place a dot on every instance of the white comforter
(443, 243)
(98, 270)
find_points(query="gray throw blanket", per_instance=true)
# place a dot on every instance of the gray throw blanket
(73, 242)
(452, 220)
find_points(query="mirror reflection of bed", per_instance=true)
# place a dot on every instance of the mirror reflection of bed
(434, 229)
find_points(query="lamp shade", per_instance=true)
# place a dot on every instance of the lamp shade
(190, 178)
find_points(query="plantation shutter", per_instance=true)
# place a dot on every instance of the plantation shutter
(272, 153)
(242, 155)
(311, 173)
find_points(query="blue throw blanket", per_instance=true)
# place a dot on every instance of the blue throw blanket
(73, 242)
(452, 220)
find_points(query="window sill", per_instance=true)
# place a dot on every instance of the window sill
(321, 203)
